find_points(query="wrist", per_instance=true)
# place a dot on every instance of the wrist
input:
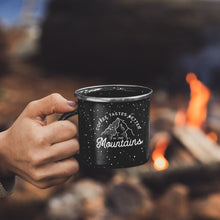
(4, 165)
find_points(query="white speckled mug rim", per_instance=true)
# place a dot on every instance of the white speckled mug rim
(144, 93)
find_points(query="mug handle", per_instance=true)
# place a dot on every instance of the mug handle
(67, 115)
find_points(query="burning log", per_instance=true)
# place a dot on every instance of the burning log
(188, 124)
(166, 151)
(192, 176)
(201, 147)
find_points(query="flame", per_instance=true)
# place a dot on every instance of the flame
(197, 109)
(160, 162)
(213, 136)
(200, 94)
(194, 116)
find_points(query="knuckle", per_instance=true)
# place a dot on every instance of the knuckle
(30, 134)
(37, 176)
(30, 158)
(55, 97)
(31, 105)
(66, 126)
(40, 139)
(37, 160)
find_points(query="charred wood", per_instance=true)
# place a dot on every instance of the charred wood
(196, 142)
(192, 176)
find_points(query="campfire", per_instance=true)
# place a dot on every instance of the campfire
(192, 121)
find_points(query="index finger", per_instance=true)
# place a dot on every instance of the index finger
(54, 103)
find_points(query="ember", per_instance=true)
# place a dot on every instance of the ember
(213, 136)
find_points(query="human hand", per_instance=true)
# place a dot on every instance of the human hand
(39, 153)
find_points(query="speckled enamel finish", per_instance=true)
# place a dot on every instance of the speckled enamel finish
(113, 126)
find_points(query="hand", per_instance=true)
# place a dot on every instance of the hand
(39, 153)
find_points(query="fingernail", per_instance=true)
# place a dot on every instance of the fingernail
(72, 103)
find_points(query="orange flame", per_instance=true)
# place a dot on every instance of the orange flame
(197, 109)
(194, 116)
(213, 136)
(160, 162)
(200, 94)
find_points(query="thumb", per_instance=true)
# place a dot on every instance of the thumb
(54, 103)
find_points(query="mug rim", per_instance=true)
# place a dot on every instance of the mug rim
(81, 93)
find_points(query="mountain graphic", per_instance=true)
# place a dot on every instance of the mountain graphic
(118, 129)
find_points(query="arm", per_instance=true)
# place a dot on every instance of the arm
(39, 153)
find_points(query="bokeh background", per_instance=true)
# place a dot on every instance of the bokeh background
(172, 46)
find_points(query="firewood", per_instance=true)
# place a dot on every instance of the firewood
(128, 199)
(192, 176)
(207, 208)
(175, 153)
(177, 156)
(174, 204)
(85, 199)
(204, 149)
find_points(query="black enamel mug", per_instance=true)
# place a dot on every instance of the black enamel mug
(113, 125)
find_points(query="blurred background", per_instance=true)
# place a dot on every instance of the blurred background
(172, 46)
